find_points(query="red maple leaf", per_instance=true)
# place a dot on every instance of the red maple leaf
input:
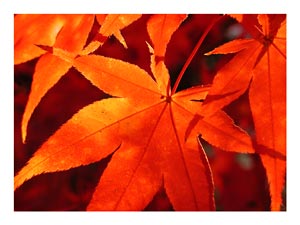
(260, 63)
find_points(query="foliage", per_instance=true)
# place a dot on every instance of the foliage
(150, 124)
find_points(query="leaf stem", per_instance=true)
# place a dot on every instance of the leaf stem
(193, 53)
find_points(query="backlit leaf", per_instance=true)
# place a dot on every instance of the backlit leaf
(46, 75)
(268, 105)
(260, 63)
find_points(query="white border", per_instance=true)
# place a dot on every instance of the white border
(9, 7)
(148, 6)
(6, 113)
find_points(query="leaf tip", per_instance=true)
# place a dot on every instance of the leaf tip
(24, 132)
(150, 48)
(212, 52)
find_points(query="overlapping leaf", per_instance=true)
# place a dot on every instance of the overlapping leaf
(261, 60)
(64, 36)
(160, 29)
(69, 40)
(147, 131)
(111, 24)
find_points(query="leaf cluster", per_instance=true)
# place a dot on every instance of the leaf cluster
(149, 128)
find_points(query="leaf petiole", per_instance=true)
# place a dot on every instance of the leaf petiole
(193, 53)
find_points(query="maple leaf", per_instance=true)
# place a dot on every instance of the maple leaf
(260, 63)
(61, 42)
(160, 29)
(111, 24)
(150, 130)
(46, 75)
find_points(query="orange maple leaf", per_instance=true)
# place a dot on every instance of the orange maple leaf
(150, 130)
(260, 63)
(111, 24)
